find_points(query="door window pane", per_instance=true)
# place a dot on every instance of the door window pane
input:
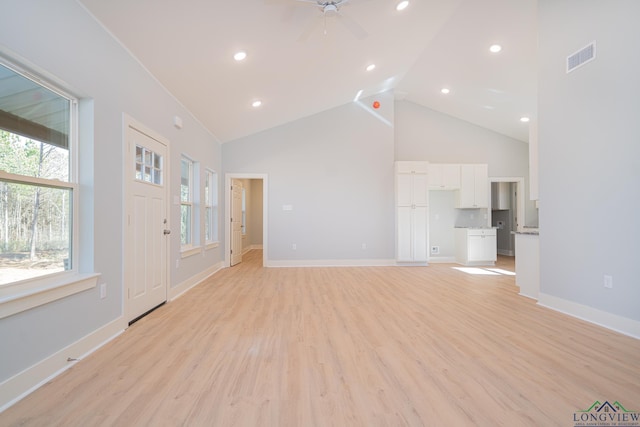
(148, 165)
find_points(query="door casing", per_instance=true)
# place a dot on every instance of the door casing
(265, 214)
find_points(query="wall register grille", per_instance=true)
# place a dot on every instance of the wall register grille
(581, 57)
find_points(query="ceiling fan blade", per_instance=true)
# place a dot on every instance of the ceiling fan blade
(351, 25)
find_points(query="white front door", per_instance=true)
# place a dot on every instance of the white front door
(146, 221)
(236, 221)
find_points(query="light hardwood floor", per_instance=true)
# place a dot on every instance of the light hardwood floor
(362, 346)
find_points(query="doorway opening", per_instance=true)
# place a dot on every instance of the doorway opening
(507, 211)
(246, 222)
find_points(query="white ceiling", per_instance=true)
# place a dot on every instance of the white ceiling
(189, 45)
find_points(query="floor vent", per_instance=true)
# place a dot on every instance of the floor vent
(581, 57)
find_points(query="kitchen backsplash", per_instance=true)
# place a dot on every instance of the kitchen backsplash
(471, 218)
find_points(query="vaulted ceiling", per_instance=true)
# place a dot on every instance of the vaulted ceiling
(300, 62)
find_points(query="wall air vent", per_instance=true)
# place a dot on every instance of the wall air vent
(581, 57)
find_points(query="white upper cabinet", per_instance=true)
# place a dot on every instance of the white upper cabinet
(474, 186)
(444, 176)
(411, 183)
(412, 167)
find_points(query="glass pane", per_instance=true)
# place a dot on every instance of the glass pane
(185, 224)
(138, 171)
(24, 156)
(35, 239)
(138, 154)
(35, 139)
(147, 173)
(157, 176)
(185, 180)
(214, 224)
(147, 157)
(157, 161)
(207, 195)
(207, 224)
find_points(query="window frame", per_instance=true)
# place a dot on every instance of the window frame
(28, 293)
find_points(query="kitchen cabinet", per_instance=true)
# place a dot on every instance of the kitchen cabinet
(476, 246)
(474, 186)
(444, 176)
(411, 211)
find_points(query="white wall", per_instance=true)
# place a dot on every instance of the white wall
(60, 39)
(589, 149)
(336, 170)
(425, 134)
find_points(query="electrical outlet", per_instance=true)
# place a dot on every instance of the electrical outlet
(608, 281)
(103, 290)
(294, 246)
(435, 250)
(364, 246)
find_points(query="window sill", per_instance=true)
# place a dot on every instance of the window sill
(212, 245)
(23, 296)
(190, 251)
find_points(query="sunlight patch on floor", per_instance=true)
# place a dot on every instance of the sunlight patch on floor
(485, 271)
(501, 271)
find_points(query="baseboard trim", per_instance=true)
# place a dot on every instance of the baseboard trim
(193, 281)
(24, 383)
(442, 260)
(607, 320)
(506, 252)
(332, 263)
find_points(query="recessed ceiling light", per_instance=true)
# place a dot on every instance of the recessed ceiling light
(371, 67)
(239, 56)
(524, 119)
(495, 48)
(445, 90)
(402, 5)
(256, 104)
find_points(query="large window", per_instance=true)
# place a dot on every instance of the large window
(211, 207)
(186, 202)
(38, 190)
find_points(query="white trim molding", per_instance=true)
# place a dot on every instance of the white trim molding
(607, 320)
(442, 260)
(22, 296)
(22, 384)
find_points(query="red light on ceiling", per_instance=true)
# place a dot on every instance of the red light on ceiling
(376, 104)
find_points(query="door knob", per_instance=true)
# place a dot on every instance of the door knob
(167, 232)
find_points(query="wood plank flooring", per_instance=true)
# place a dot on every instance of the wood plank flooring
(362, 346)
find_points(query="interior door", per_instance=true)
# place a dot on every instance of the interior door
(146, 224)
(236, 221)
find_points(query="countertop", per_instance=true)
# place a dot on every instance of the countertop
(475, 228)
(528, 231)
